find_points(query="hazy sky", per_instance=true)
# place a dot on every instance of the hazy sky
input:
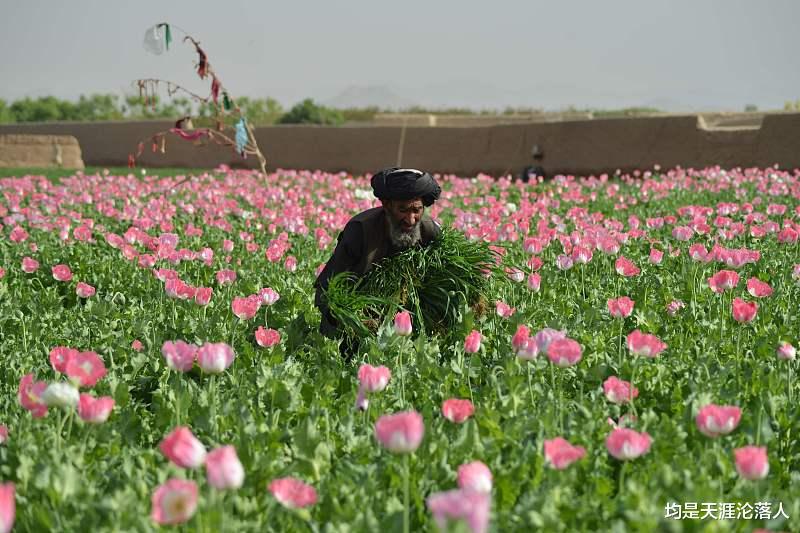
(675, 54)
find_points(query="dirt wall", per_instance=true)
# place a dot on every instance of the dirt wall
(584, 147)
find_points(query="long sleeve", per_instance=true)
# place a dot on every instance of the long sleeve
(345, 258)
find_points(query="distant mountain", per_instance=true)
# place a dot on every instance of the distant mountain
(367, 96)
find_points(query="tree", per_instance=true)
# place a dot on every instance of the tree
(6, 116)
(307, 112)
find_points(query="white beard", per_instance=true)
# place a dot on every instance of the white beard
(400, 239)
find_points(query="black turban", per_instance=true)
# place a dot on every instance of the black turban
(404, 184)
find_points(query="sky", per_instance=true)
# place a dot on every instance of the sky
(678, 55)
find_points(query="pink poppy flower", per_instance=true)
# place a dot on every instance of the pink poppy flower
(581, 255)
(8, 507)
(645, 344)
(59, 356)
(786, 351)
(564, 262)
(516, 275)
(520, 338)
(564, 352)
(290, 264)
(179, 355)
(174, 502)
(223, 468)
(744, 311)
(472, 344)
(3, 433)
(18, 234)
(788, 236)
(535, 282)
(758, 289)
(227, 246)
(95, 410)
(626, 444)
(674, 306)
(2, 273)
(84, 290)
(215, 358)
(621, 307)
(400, 432)
(503, 310)
(699, 253)
(182, 448)
(402, 323)
(202, 296)
(267, 338)
(85, 368)
(173, 287)
(619, 391)
(723, 280)
(475, 476)
(682, 233)
(560, 454)
(60, 394)
(467, 506)
(30, 395)
(374, 379)
(207, 256)
(371, 379)
(608, 246)
(752, 462)
(545, 337)
(293, 493)
(137, 345)
(62, 273)
(656, 256)
(245, 308)
(226, 277)
(626, 267)
(534, 263)
(715, 420)
(456, 410)
(269, 296)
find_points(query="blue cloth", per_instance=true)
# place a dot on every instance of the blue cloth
(241, 135)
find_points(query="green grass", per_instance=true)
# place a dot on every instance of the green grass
(55, 174)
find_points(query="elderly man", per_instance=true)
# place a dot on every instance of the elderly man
(371, 235)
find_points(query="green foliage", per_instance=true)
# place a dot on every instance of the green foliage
(308, 112)
(435, 284)
(288, 409)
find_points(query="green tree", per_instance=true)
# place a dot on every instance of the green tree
(43, 109)
(6, 116)
(307, 112)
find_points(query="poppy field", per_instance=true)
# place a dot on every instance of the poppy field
(634, 369)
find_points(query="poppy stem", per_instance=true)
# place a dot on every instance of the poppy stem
(406, 525)
(553, 388)
(621, 479)
(619, 345)
(212, 403)
(402, 379)
(633, 384)
(530, 387)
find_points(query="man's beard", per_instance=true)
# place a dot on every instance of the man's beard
(401, 239)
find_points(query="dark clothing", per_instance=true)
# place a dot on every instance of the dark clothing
(363, 242)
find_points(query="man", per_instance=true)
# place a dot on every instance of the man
(399, 224)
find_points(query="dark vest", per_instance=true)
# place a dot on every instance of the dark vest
(375, 236)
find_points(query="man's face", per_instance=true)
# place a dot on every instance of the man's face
(406, 214)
